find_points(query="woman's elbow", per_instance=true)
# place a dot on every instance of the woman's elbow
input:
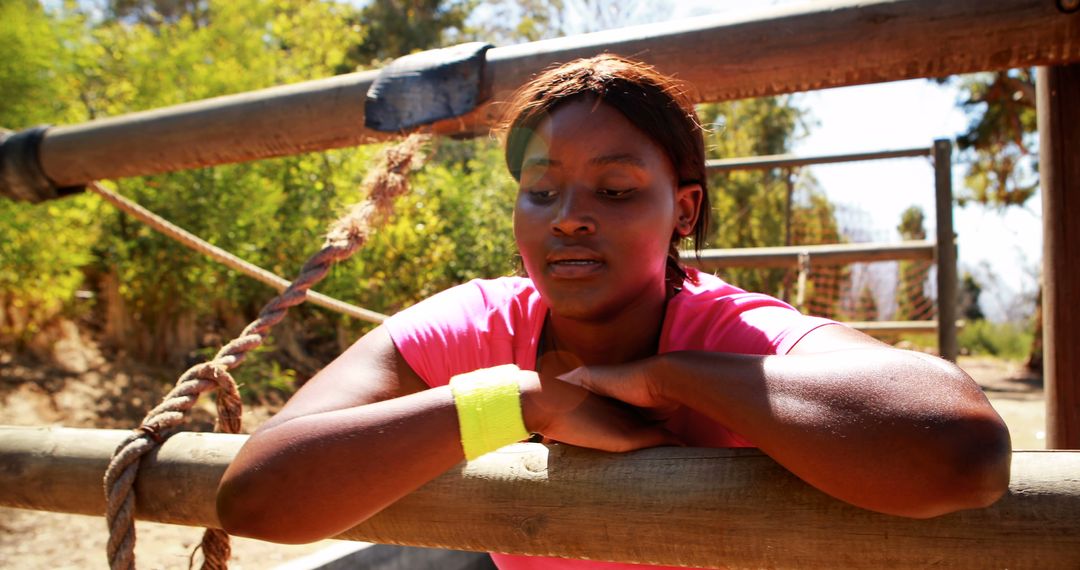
(987, 463)
(976, 466)
(240, 513)
(244, 509)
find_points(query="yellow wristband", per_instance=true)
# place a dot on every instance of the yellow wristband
(488, 403)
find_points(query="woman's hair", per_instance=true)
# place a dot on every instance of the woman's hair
(654, 103)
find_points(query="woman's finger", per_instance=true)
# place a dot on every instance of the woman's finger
(625, 383)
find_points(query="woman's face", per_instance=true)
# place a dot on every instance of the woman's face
(596, 209)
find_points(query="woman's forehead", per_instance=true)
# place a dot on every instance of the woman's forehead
(590, 131)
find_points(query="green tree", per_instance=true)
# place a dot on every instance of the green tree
(999, 141)
(400, 27)
(912, 302)
(866, 308)
(155, 12)
(163, 302)
(43, 248)
(749, 206)
(999, 146)
(968, 302)
(271, 212)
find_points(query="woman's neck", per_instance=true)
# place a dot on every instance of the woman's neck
(632, 335)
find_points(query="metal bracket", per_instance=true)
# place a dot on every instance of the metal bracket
(21, 175)
(425, 87)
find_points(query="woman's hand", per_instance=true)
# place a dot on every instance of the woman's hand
(636, 383)
(571, 414)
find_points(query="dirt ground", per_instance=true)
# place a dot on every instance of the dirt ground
(108, 395)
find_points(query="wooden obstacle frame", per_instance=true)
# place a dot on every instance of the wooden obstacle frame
(715, 507)
(712, 508)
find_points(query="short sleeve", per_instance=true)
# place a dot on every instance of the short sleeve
(467, 327)
(716, 316)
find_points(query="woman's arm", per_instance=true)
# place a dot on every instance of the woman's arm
(889, 430)
(362, 433)
(367, 430)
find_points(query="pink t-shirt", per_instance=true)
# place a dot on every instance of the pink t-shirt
(485, 323)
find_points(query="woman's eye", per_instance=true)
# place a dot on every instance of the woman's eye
(540, 194)
(615, 192)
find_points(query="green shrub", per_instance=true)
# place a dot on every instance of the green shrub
(1005, 340)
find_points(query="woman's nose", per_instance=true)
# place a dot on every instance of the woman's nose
(573, 217)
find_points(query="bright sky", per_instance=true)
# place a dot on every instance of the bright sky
(1002, 249)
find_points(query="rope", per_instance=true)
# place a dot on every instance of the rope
(193, 242)
(346, 235)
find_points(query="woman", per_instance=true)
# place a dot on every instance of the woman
(611, 168)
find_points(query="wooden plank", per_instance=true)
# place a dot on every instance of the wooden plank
(790, 160)
(776, 50)
(681, 506)
(1058, 91)
(897, 327)
(828, 254)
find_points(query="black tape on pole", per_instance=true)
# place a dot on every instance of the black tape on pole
(425, 87)
(21, 175)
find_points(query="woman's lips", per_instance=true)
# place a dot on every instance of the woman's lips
(574, 268)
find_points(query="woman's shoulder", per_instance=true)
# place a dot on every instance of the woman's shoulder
(712, 314)
(478, 324)
(475, 295)
(702, 289)
(707, 290)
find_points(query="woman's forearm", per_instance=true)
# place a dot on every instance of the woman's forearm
(313, 476)
(889, 430)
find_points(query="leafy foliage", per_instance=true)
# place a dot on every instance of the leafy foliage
(999, 148)
(43, 248)
(912, 301)
(999, 141)
(968, 303)
(749, 205)
(1005, 340)
(65, 66)
(400, 27)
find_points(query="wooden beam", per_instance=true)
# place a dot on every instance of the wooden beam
(897, 327)
(790, 160)
(734, 508)
(827, 254)
(1058, 94)
(777, 50)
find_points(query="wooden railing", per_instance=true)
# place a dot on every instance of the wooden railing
(712, 508)
(942, 250)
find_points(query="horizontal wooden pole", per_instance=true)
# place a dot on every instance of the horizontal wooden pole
(828, 254)
(790, 160)
(897, 327)
(733, 508)
(777, 50)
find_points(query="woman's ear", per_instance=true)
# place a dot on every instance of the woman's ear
(687, 208)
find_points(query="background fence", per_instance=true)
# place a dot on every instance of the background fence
(849, 281)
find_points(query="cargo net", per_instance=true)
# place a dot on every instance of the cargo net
(853, 292)
(904, 290)
(874, 291)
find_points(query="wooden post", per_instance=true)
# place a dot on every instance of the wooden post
(732, 508)
(1058, 103)
(776, 50)
(946, 251)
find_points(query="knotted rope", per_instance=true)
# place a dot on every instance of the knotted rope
(383, 185)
